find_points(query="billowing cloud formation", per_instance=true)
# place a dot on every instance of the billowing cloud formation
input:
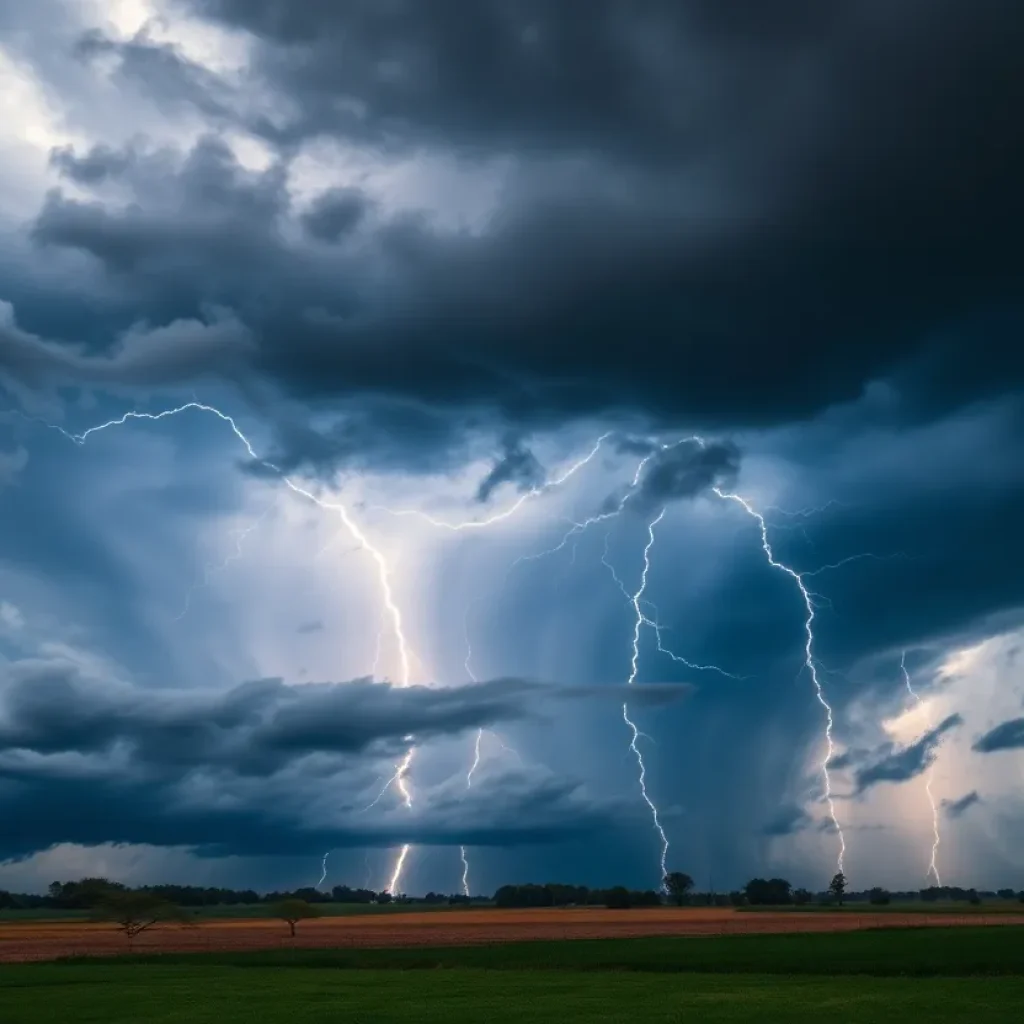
(685, 470)
(907, 763)
(957, 808)
(149, 765)
(258, 728)
(1006, 736)
(651, 254)
(173, 354)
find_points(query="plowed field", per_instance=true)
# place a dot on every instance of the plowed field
(31, 941)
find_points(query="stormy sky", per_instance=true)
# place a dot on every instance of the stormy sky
(507, 336)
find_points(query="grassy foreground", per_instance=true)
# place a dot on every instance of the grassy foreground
(941, 975)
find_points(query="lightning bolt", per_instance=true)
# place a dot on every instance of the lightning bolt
(809, 662)
(391, 608)
(323, 872)
(634, 667)
(656, 626)
(933, 867)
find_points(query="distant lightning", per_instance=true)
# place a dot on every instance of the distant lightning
(634, 668)
(383, 569)
(809, 661)
(209, 570)
(933, 867)
(323, 872)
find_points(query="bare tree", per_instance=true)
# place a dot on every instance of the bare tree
(135, 912)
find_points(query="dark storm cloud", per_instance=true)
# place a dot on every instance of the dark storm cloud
(1006, 736)
(258, 728)
(516, 465)
(684, 471)
(957, 808)
(175, 353)
(245, 770)
(844, 187)
(210, 814)
(907, 763)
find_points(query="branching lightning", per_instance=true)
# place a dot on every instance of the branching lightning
(645, 614)
(809, 662)
(933, 866)
(392, 610)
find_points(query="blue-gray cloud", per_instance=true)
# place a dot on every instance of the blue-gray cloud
(957, 808)
(1005, 736)
(908, 763)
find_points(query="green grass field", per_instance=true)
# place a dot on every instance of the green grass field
(966, 974)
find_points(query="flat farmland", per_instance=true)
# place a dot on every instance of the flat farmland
(52, 940)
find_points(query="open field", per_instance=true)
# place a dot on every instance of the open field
(247, 911)
(47, 941)
(939, 975)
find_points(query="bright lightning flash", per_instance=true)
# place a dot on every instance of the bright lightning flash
(933, 867)
(634, 667)
(392, 610)
(808, 600)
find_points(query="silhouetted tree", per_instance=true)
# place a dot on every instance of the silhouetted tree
(677, 885)
(384, 897)
(768, 892)
(618, 898)
(837, 887)
(878, 896)
(135, 912)
(293, 911)
(801, 897)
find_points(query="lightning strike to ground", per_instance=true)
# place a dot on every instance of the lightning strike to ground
(636, 600)
(383, 569)
(933, 865)
(809, 662)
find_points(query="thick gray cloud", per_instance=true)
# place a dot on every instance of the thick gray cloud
(808, 225)
(957, 808)
(684, 471)
(46, 707)
(908, 763)
(182, 351)
(1005, 736)
(112, 762)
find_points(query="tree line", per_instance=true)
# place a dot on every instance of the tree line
(677, 888)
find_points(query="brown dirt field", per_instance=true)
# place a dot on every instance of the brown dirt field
(47, 941)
